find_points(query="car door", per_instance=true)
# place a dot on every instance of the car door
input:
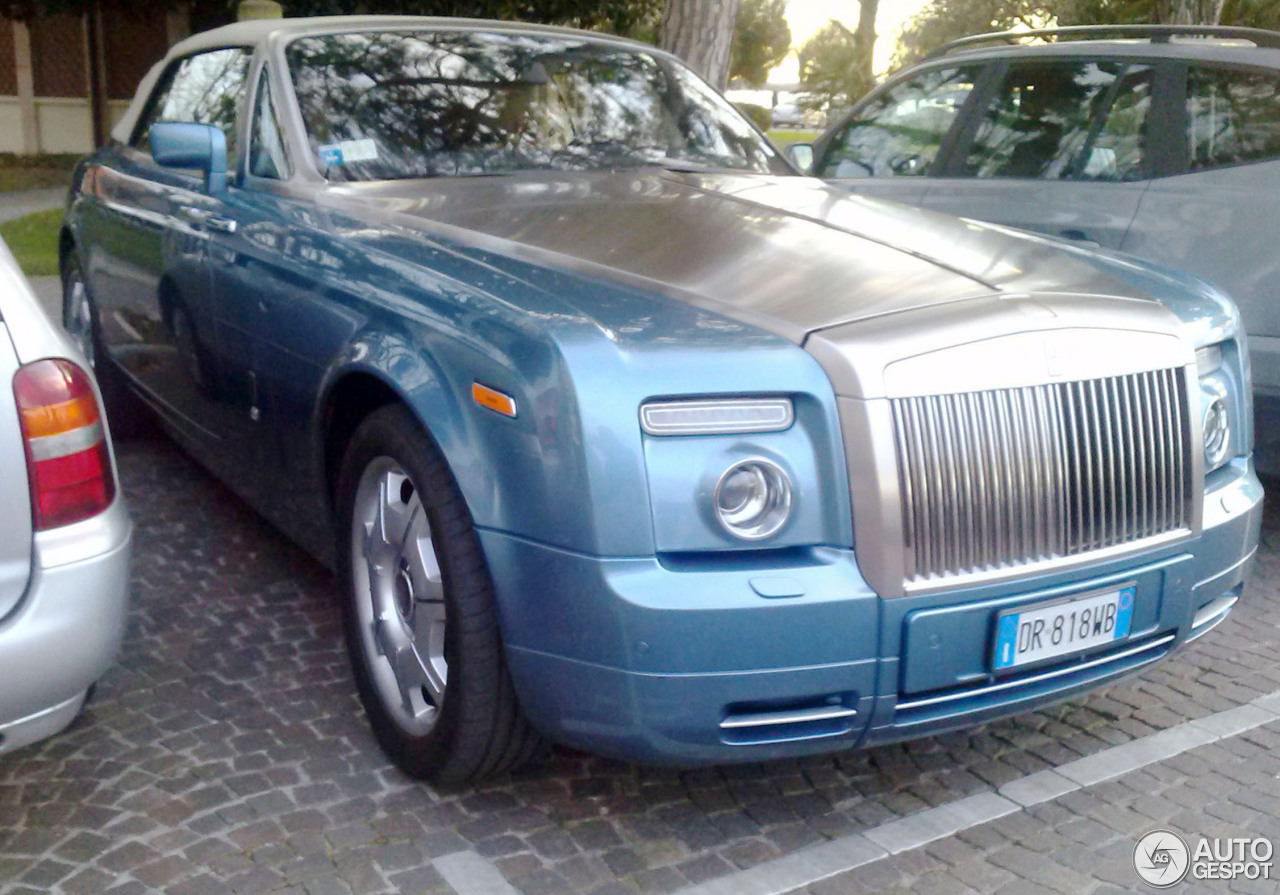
(148, 229)
(889, 144)
(276, 324)
(1218, 217)
(1059, 147)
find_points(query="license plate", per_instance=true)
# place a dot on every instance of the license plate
(1048, 630)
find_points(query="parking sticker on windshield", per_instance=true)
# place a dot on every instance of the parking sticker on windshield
(348, 151)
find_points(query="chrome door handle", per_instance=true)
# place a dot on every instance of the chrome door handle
(195, 215)
(208, 218)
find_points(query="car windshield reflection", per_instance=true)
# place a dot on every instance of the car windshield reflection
(431, 104)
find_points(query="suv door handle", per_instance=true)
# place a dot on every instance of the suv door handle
(1081, 238)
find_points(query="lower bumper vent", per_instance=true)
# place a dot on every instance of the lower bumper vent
(747, 724)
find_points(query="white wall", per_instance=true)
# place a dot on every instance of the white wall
(64, 124)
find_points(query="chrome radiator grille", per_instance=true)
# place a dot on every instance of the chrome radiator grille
(1000, 478)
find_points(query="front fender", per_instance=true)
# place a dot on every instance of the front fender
(526, 476)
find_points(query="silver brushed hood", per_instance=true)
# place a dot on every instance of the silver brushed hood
(898, 305)
(787, 254)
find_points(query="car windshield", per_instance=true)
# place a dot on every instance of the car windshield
(386, 105)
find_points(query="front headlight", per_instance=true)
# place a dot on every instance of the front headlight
(1215, 407)
(753, 499)
(1217, 432)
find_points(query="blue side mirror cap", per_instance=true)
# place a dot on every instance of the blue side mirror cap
(185, 145)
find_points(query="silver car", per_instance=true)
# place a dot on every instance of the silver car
(64, 531)
(1160, 141)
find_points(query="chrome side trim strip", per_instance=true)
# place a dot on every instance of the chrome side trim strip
(1035, 679)
(1212, 615)
(790, 716)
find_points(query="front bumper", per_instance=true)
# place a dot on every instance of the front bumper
(707, 661)
(68, 627)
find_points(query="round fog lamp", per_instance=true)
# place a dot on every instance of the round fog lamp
(1217, 432)
(753, 499)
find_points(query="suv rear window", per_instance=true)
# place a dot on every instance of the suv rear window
(1233, 117)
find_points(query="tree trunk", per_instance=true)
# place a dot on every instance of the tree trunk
(1189, 12)
(864, 39)
(701, 33)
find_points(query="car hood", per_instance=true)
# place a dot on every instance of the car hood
(787, 254)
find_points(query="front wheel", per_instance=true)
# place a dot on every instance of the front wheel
(420, 623)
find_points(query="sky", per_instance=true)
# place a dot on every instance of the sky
(807, 16)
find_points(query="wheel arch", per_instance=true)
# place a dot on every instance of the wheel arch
(350, 398)
(354, 390)
(66, 247)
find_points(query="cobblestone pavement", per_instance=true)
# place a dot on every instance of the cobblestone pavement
(226, 752)
(1083, 842)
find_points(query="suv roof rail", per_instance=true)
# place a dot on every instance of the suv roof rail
(1259, 37)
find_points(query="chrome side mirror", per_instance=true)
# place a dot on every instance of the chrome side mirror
(800, 155)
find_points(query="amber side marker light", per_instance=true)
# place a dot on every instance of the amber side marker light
(493, 399)
(68, 466)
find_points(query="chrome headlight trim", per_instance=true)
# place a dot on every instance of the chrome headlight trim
(721, 416)
(752, 499)
(1216, 406)
(1217, 432)
(1208, 359)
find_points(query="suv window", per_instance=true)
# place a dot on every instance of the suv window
(205, 89)
(267, 155)
(899, 133)
(1233, 117)
(1065, 121)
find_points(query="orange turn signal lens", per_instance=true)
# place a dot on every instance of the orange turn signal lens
(64, 416)
(494, 400)
(68, 463)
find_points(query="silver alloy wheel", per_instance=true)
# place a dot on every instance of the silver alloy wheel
(399, 596)
(79, 323)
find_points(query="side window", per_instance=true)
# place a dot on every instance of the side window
(267, 155)
(205, 89)
(1117, 150)
(1233, 117)
(899, 133)
(1065, 121)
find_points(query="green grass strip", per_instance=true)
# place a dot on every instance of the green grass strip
(33, 239)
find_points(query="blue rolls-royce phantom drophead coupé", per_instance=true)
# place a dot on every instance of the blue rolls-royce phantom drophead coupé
(621, 434)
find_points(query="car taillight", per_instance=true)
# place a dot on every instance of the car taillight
(68, 465)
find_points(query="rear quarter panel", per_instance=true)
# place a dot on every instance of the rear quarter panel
(15, 522)
(25, 335)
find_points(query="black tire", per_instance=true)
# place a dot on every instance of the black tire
(477, 728)
(126, 413)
